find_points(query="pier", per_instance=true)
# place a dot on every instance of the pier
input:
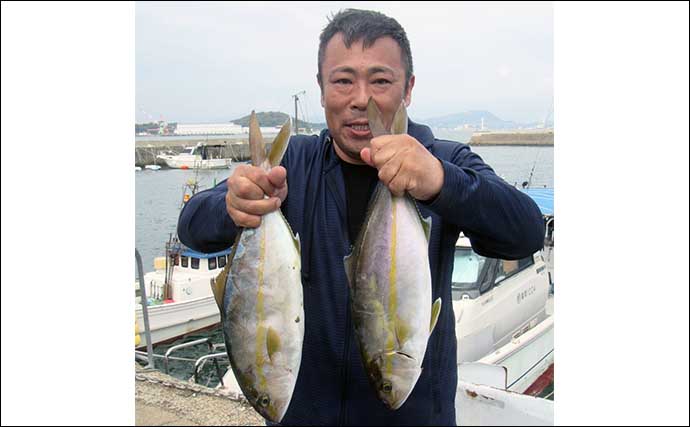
(145, 152)
(533, 137)
(161, 400)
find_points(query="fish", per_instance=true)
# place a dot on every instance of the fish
(390, 285)
(260, 297)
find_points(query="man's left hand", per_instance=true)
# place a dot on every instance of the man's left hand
(405, 165)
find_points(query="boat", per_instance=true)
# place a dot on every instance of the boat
(504, 314)
(201, 156)
(178, 291)
(152, 167)
(179, 296)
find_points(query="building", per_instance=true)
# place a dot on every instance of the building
(208, 129)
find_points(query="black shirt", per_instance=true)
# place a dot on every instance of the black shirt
(360, 182)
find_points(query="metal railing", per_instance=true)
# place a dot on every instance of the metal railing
(145, 311)
(199, 363)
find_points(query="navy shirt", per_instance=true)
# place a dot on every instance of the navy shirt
(332, 387)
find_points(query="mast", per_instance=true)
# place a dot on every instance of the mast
(296, 97)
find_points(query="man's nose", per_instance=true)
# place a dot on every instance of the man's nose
(360, 97)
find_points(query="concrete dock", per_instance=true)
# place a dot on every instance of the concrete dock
(532, 137)
(145, 152)
(161, 400)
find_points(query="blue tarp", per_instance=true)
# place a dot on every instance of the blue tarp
(190, 253)
(543, 197)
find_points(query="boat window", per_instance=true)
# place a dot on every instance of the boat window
(177, 260)
(185, 261)
(195, 263)
(466, 269)
(212, 263)
(508, 268)
(221, 261)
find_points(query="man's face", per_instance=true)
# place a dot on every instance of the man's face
(350, 77)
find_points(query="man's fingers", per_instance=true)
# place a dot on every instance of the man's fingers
(242, 219)
(245, 188)
(259, 177)
(389, 170)
(398, 185)
(256, 207)
(277, 177)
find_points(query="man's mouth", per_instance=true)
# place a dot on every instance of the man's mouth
(359, 129)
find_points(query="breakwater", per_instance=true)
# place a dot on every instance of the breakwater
(518, 138)
(145, 152)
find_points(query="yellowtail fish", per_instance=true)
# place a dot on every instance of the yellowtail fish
(259, 294)
(390, 285)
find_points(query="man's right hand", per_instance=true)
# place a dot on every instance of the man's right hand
(247, 187)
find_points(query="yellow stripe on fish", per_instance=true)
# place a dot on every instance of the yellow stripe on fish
(260, 315)
(393, 291)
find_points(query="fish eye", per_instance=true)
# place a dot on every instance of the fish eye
(386, 387)
(264, 401)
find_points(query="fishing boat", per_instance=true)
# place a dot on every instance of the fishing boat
(179, 298)
(504, 313)
(201, 156)
(178, 291)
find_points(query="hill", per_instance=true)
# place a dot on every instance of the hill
(276, 118)
(471, 118)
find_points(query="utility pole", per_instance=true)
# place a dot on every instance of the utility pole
(296, 97)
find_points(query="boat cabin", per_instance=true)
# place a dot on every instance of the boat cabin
(192, 260)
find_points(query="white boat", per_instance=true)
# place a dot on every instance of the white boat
(152, 167)
(504, 314)
(201, 156)
(180, 300)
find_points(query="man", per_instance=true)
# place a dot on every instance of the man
(323, 187)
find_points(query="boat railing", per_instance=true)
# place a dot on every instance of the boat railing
(200, 362)
(145, 312)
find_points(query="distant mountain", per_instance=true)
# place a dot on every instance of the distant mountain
(472, 119)
(276, 118)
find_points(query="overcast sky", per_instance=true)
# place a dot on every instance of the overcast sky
(210, 62)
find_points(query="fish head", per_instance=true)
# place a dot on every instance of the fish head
(269, 395)
(394, 375)
(271, 400)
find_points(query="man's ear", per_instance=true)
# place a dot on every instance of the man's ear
(408, 93)
(321, 87)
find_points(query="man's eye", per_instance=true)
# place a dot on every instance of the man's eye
(381, 81)
(343, 82)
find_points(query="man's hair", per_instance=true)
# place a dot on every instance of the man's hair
(368, 26)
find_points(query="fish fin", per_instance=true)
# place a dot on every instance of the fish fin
(298, 245)
(399, 125)
(376, 125)
(350, 263)
(426, 224)
(279, 145)
(272, 342)
(218, 286)
(402, 331)
(257, 146)
(435, 311)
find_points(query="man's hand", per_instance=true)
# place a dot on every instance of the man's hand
(247, 187)
(405, 165)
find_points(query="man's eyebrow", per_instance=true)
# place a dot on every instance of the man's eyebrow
(373, 70)
(344, 69)
(380, 69)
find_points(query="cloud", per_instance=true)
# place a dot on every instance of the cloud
(199, 62)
